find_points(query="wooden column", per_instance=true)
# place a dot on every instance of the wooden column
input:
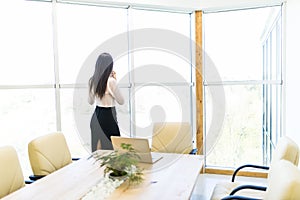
(199, 91)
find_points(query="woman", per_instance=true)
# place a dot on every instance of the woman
(104, 91)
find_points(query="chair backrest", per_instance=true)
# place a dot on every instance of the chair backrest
(11, 174)
(172, 137)
(283, 181)
(286, 149)
(48, 153)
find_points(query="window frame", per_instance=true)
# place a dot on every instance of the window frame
(263, 82)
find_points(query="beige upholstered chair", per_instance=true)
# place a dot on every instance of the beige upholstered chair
(47, 154)
(172, 137)
(10, 171)
(286, 149)
(283, 183)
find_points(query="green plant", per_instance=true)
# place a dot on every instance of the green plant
(121, 164)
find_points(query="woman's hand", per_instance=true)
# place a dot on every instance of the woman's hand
(113, 74)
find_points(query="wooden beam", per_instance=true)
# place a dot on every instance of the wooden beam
(257, 174)
(199, 92)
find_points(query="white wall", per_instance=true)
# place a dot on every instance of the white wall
(292, 71)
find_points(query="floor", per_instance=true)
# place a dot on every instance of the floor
(206, 183)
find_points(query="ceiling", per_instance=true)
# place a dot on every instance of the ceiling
(181, 5)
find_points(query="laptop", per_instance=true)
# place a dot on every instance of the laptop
(141, 146)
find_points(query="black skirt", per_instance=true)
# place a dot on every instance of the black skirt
(103, 125)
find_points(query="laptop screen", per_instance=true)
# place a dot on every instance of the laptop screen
(140, 145)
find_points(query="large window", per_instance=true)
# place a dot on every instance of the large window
(272, 91)
(162, 78)
(235, 48)
(49, 52)
(26, 30)
(81, 29)
(27, 96)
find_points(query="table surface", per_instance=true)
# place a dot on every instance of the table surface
(172, 177)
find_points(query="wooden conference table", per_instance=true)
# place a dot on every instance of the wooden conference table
(172, 177)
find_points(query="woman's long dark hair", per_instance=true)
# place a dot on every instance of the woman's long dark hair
(103, 69)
